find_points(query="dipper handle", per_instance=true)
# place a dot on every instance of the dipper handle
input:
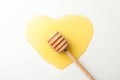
(80, 66)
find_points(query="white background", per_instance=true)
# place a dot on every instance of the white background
(19, 61)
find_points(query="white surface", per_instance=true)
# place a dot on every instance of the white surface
(19, 61)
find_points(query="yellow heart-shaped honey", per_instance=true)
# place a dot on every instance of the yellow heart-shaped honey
(76, 29)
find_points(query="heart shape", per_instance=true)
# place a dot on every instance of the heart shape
(76, 29)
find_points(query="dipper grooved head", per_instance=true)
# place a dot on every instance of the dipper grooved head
(57, 42)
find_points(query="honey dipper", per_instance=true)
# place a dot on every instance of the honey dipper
(59, 44)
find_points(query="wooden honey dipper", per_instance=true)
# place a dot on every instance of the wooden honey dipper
(59, 44)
